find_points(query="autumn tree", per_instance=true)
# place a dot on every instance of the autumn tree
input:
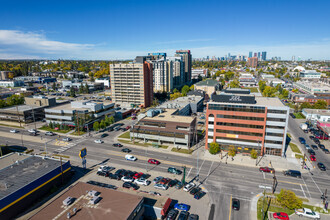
(288, 199)
(214, 148)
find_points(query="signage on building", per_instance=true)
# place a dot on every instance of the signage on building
(232, 135)
(235, 98)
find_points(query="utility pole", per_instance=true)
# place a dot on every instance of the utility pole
(19, 118)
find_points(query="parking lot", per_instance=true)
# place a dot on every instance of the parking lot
(198, 207)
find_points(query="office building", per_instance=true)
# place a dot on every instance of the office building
(40, 100)
(24, 179)
(22, 113)
(104, 80)
(250, 54)
(252, 62)
(209, 86)
(312, 87)
(258, 55)
(310, 74)
(185, 105)
(247, 122)
(132, 83)
(187, 59)
(247, 80)
(263, 56)
(163, 126)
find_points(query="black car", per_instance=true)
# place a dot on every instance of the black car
(302, 140)
(314, 147)
(193, 217)
(293, 173)
(126, 150)
(179, 185)
(195, 190)
(311, 137)
(326, 151)
(235, 204)
(104, 135)
(199, 195)
(183, 215)
(173, 183)
(33, 134)
(321, 146)
(321, 166)
(101, 173)
(292, 115)
(128, 185)
(120, 172)
(117, 145)
(172, 214)
(311, 152)
(316, 141)
(114, 176)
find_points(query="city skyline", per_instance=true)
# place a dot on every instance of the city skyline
(122, 30)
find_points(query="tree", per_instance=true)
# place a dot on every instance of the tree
(175, 95)
(86, 89)
(54, 86)
(185, 90)
(288, 199)
(320, 104)
(296, 107)
(111, 120)
(234, 84)
(285, 93)
(72, 92)
(50, 125)
(102, 124)
(155, 102)
(269, 91)
(214, 148)
(192, 88)
(254, 154)
(106, 120)
(81, 88)
(262, 85)
(175, 90)
(232, 151)
(96, 126)
(305, 105)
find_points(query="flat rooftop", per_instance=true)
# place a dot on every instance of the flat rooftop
(68, 106)
(269, 101)
(113, 205)
(180, 102)
(167, 115)
(14, 175)
(317, 111)
(20, 108)
(245, 99)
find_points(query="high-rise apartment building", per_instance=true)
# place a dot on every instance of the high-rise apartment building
(258, 55)
(178, 71)
(263, 56)
(252, 62)
(255, 54)
(162, 75)
(247, 122)
(132, 83)
(250, 54)
(186, 56)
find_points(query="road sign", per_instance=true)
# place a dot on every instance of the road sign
(83, 153)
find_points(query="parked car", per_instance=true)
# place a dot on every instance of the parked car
(172, 214)
(293, 173)
(161, 186)
(183, 215)
(311, 152)
(188, 187)
(312, 158)
(280, 215)
(307, 213)
(326, 151)
(49, 133)
(314, 147)
(127, 179)
(182, 206)
(164, 181)
(126, 150)
(174, 170)
(267, 170)
(158, 179)
(199, 195)
(98, 141)
(142, 181)
(13, 131)
(235, 204)
(67, 139)
(316, 141)
(311, 137)
(193, 217)
(105, 168)
(321, 146)
(302, 140)
(173, 183)
(321, 166)
(102, 173)
(307, 147)
(117, 145)
(137, 175)
(195, 190)
(179, 185)
(114, 176)
(129, 185)
(128, 127)
(130, 157)
(153, 161)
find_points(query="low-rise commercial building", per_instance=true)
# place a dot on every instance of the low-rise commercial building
(310, 74)
(195, 73)
(312, 87)
(316, 114)
(247, 80)
(11, 83)
(105, 81)
(163, 126)
(22, 113)
(209, 86)
(24, 179)
(86, 111)
(247, 122)
(35, 79)
(40, 100)
(185, 105)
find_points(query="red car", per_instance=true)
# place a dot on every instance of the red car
(137, 175)
(164, 181)
(281, 215)
(266, 170)
(153, 161)
(128, 127)
(312, 157)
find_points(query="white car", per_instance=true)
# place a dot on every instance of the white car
(161, 186)
(188, 187)
(127, 179)
(49, 133)
(13, 131)
(105, 168)
(32, 130)
(142, 181)
(98, 141)
(130, 157)
(67, 139)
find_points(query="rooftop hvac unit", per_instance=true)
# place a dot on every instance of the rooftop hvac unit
(95, 200)
(93, 193)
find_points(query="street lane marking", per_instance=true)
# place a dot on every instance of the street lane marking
(230, 206)
(303, 191)
(281, 181)
(263, 173)
(189, 172)
(201, 166)
(306, 188)
(210, 168)
(315, 183)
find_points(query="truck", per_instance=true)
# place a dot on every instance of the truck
(307, 213)
(304, 127)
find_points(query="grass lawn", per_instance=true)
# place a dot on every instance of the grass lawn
(298, 156)
(272, 208)
(252, 89)
(299, 115)
(46, 128)
(184, 151)
(125, 135)
(80, 133)
(12, 126)
(294, 148)
(289, 135)
(140, 144)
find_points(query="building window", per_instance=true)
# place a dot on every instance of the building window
(274, 111)
(239, 132)
(274, 127)
(240, 125)
(273, 142)
(238, 139)
(237, 108)
(240, 117)
(211, 116)
(276, 119)
(211, 122)
(274, 134)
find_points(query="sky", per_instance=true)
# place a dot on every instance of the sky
(123, 29)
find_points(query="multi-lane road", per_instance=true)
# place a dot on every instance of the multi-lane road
(222, 181)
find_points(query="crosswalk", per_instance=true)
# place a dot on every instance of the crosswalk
(69, 145)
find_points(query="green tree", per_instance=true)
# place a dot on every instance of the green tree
(234, 84)
(175, 90)
(296, 107)
(214, 148)
(185, 90)
(285, 93)
(54, 86)
(192, 88)
(262, 85)
(72, 92)
(269, 91)
(86, 89)
(51, 125)
(305, 105)
(111, 120)
(106, 120)
(96, 126)
(320, 104)
(102, 124)
(288, 199)
(175, 95)
(81, 88)
(232, 151)
(254, 154)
